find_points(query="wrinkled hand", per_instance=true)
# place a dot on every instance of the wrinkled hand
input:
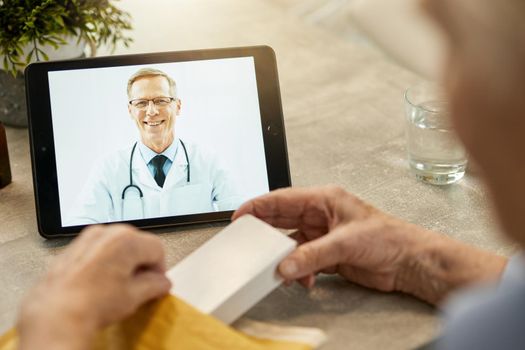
(339, 233)
(104, 276)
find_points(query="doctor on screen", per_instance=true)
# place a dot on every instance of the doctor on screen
(159, 174)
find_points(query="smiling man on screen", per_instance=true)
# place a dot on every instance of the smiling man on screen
(159, 175)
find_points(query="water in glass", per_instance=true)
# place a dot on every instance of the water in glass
(435, 154)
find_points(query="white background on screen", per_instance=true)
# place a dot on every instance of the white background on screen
(220, 112)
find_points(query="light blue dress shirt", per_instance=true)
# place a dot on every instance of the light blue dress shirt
(148, 154)
(491, 317)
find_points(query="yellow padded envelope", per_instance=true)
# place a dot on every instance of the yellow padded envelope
(170, 323)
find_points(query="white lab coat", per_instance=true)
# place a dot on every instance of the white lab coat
(210, 189)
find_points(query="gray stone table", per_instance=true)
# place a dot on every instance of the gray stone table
(344, 122)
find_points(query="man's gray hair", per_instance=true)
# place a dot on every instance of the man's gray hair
(152, 72)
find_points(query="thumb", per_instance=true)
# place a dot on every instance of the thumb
(313, 256)
(149, 285)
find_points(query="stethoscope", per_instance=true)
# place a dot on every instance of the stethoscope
(131, 185)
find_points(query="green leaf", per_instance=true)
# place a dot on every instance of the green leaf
(29, 56)
(44, 55)
(46, 21)
(59, 21)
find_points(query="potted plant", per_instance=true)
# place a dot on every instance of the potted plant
(36, 30)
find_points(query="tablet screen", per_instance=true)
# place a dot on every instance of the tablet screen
(156, 140)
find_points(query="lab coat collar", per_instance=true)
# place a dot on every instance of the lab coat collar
(176, 174)
(178, 171)
(148, 154)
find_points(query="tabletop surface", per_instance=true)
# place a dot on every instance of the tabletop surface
(343, 110)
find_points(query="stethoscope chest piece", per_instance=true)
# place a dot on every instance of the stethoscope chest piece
(132, 186)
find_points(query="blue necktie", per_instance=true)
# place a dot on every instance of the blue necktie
(158, 164)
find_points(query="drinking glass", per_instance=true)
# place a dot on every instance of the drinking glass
(435, 154)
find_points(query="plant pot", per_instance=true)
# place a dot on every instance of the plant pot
(12, 100)
(13, 111)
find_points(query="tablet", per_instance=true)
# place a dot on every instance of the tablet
(154, 139)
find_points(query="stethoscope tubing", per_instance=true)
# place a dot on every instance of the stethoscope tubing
(131, 185)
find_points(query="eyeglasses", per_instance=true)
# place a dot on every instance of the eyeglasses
(159, 102)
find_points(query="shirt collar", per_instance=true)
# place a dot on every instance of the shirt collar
(148, 154)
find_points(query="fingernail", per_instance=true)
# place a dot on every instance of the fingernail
(289, 268)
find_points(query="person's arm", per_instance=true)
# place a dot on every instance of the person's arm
(439, 265)
(339, 233)
(104, 276)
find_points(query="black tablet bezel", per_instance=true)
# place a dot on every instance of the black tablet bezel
(42, 143)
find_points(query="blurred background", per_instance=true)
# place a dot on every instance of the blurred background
(398, 29)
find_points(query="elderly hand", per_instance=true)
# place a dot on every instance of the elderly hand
(104, 276)
(339, 233)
